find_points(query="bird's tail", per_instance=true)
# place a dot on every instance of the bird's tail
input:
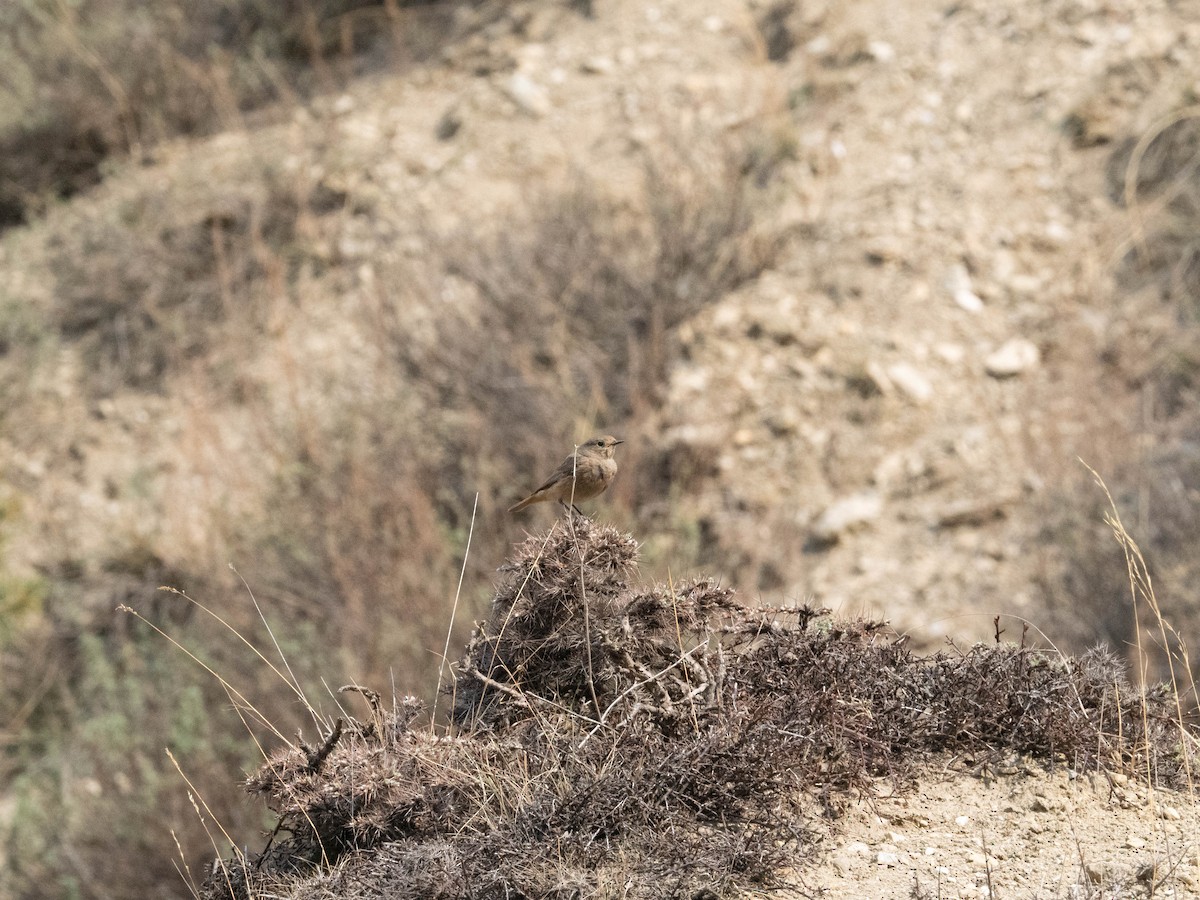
(528, 501)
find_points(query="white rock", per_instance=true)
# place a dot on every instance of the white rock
(846, 514)
(950, 353)
(881, 51)
(1014, 357)
(819, 46)
(690, 379)
(1056, 233)
(898, 466)
(879, 377)
(597, 65)
(967, 299)
(885, 858)
(910, 381)
(958, 283)
(530, 96)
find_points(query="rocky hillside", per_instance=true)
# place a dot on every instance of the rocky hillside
(859, 285)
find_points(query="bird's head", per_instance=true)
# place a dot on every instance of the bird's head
(600, 446)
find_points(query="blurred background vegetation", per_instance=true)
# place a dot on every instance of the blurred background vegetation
(84, 80)
(329, 420)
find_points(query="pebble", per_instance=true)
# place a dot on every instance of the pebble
(783, 422)
(597, 65)
(899, 466)
(842, 864)
(529, 96)
(881, 51)
(951, 353)
(972, 512)
(846, 514)
(1012, 358)
(449, 124)
(779, 324)
(910, 382)
(1043, 804)
(884, 249)
(1100, 872)
(958, 283)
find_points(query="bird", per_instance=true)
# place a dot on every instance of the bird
(584, 474)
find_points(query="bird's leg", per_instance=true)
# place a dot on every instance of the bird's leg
(572, 509)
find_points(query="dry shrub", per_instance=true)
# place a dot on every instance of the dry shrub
(1157, 354)
(93, 797)
(619, 740)
(142, 289)
(588, 287)
(781, 27)
(349, 540)
(563, 319)
(1155, 177)
(1158, 178)
(86, 80)
(1086, 586)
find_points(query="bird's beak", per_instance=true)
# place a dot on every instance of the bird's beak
(617, 442)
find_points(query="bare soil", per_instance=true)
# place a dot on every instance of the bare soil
(1032, 834)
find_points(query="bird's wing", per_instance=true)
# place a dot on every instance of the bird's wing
(565, 469)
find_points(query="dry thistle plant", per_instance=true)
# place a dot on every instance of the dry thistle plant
(616, 739)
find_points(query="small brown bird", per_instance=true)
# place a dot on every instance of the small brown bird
(584, 474)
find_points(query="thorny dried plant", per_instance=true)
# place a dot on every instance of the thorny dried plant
(613, 739)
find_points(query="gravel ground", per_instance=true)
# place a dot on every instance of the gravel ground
(1031, 835)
